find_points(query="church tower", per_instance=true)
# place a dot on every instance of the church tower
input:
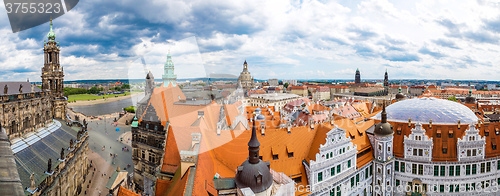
(384, 159)
(150, 83)
(53, 76)
(386, 79)
(357, 78)
(168, 74)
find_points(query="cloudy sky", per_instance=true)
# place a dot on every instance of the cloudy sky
(305, 39)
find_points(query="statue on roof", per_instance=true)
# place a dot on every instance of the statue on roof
(32, 181)
(62, 153)
(5, 89)
(71, 143)
(49, 166)
(20, 88)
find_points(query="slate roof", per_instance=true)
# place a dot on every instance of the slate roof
(13, 88)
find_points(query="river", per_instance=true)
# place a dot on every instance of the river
(107, 108)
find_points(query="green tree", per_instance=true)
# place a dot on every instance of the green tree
(126, 86)
(286, 85)
(452, 98)
(94, 90)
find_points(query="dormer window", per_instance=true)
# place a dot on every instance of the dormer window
(493, 144)
(497, 131)
(398, 131)
(450, 133)
(438, 133)
(487, 132)
(259, 178)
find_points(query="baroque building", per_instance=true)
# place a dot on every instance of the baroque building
(246, 80)
(24, 107)
(50, 157)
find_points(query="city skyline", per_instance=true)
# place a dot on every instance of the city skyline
(285, 40)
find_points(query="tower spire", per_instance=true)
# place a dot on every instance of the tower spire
(253, 146)
(384, 113)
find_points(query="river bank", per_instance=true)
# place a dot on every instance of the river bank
(100, 101)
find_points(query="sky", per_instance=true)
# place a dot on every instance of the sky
(306, 39)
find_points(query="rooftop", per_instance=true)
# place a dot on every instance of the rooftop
(426, 108)
(275, 96)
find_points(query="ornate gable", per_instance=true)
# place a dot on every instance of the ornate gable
(417, 145)
(471, 145)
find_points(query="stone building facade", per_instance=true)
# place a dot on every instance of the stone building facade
(24, 107)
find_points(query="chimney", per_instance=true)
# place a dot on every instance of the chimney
(195, 139)
(430, 123)
(262, 128)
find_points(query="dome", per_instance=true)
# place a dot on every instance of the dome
(261, 117)
(423, 109)
(258, 110)
(400, 96)
(383, 128)
(255, 176)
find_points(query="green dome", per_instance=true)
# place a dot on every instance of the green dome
(51, 35)
(135, 123)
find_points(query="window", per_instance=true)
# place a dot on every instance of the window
(483, 167)
(452, 171)
(442, 171)
(327, 155)
(414, 152)
(457, 170)
(488, 166)
(357, 178)
(348, 163)
(474, 168)
(366, 173)
(275, 157)
(320, 176)
(388, 149)
(397, 182)
(396, 166)
(467, 170)
(352, 182)
(343, 150)
(498, 165)
(332, 171)
(338, 191)
(388, 171)
(297, 179)
(420, 152)
(436, 170)
(402, 167)
(468, 153)
(338, 169)
(414, 168)
(371, 170)
(474, 152)
(441, 188)
(445, 149)
(420, 169)
(290, 155)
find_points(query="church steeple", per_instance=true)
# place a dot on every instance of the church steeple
(52, 73)
(51, 35)
(168, 75)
